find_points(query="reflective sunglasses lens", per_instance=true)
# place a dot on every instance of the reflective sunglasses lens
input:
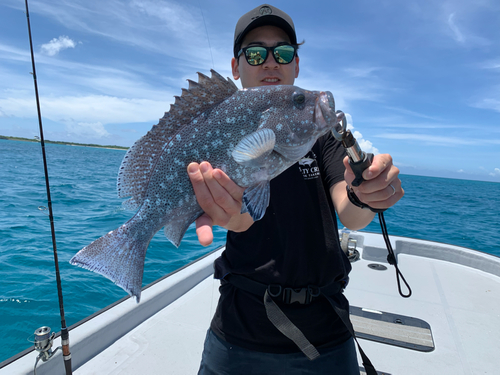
(284, 54)
(256, 55)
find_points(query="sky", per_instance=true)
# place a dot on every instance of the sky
(419, 80)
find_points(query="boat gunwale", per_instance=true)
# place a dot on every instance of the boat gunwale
(432, 241)
(465, 256)
(27, 351)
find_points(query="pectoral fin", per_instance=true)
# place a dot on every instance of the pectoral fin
(253, 149)
(256, 200)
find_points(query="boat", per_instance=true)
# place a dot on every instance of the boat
(450, 325)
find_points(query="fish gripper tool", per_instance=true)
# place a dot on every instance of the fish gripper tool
(358, 159)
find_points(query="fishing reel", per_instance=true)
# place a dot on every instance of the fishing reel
(43, 344)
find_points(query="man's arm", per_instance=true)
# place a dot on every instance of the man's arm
(220, 198)
(375, 192)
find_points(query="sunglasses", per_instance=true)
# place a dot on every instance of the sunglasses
(256, 55)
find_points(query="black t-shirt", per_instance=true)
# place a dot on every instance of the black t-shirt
(295, 244)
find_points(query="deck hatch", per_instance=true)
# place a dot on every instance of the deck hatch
(392, 329)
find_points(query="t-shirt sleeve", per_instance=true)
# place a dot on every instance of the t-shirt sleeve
(332, 154)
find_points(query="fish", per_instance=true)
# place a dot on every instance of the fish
(251, 134)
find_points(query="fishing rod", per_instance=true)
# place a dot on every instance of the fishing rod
(359, 161)
(43, 338)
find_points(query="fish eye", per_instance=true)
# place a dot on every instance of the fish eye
(299, 98)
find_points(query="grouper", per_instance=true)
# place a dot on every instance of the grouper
(252, 134)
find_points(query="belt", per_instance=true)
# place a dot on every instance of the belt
(304, 296)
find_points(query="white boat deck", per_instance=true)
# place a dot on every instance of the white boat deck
(460, 303)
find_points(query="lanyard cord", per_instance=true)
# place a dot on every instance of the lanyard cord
(391, 258)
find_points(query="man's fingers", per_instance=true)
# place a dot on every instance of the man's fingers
(203, 192)
(382, 186)
(380, 163)
(221, 196)
(228, 184)
(348, 174)
(376, 176)
(196, 178)
(391, 192)
(204, 231)
(388, 177)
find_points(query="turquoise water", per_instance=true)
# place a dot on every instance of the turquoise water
(83, 187)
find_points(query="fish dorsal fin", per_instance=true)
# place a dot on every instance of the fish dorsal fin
(140, 160)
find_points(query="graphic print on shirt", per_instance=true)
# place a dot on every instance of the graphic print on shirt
(309, 166)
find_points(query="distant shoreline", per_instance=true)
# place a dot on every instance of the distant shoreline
(63, 143)
(404, 171)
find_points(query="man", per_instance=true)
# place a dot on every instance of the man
(294, 246)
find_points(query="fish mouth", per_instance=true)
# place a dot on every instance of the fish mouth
(324, 111)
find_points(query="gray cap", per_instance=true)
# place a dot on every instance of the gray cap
(261, 16)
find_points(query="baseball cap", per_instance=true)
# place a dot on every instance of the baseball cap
(264, 14)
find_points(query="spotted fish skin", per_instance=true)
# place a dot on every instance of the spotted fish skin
(253, 135)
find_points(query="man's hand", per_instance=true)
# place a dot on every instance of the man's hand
(382, 188)
(219, 197)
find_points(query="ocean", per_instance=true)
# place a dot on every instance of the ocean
(85, 206)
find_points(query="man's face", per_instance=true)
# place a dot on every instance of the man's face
(270, 72)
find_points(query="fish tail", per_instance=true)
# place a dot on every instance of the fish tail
(117, 256)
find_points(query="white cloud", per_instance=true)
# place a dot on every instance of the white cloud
(396, 122)
(465, 32)
(129, 131)
(349, 121)
(56, 45)
(407, 112)
(460, 171)
(365, 144)
(347, 89)
(89, 108)
(496, 172)
(87, 129)
(361, 72)
(488, 103)
(457, 34)
(434, 139)
(13, 53)
(162, 27)
(490, 64)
